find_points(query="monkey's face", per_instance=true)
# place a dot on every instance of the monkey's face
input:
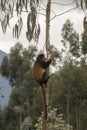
(41, 57)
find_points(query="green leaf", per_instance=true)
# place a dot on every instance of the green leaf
(29, 35)
(37, 3)
(82, 4)
(28, 21)
(17, 8)
(38, 31)
(17, 28)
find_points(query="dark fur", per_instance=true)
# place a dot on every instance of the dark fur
(40, 72)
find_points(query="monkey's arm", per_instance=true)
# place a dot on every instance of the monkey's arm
(45, 64)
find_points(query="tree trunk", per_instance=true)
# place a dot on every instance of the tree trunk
(47, 40)
(78, 118)
(47, 43)
(68, 92)
(45, 103)
(21, 118)
(77, 122)
(80, 123)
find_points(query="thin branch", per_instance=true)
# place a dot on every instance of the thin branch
(56, 15)
(1, 20)
(63, 13)
(84, 13)
(65, 4)
(41, 8)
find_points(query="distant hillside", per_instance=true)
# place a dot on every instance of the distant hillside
(2, 54)
(6, 88)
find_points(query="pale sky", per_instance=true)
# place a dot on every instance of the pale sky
(76, 16)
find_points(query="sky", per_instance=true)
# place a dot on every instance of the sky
(76, 17)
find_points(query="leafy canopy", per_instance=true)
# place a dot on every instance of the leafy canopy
(7, 9)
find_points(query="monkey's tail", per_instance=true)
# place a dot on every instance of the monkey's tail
(44, 102)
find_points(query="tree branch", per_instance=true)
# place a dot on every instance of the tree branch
(63, 13)
(65, 4)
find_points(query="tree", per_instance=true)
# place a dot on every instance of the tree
(70, 39)
(33, 29)
(16, 65)
(71, 44)
(17, 69)
(2, 120)
(84, 37)
(75, 77)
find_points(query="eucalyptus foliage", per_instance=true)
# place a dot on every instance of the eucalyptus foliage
(84, 37)
(27, 124)
(70, 39)
(7, 9)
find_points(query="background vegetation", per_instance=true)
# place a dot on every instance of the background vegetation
(68, 85)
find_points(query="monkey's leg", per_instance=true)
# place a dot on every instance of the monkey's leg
(45, 77)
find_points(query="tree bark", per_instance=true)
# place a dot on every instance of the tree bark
(47, 40)
(44, 126)
(77, 122)
(47, 43)
(68, 103)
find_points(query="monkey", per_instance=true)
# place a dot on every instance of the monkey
(40, 70)
(41, 75)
